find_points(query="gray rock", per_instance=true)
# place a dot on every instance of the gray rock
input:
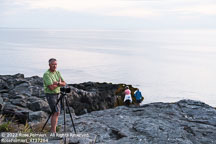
(24, 89)
(35, 81)
(15, 80)
(92, 96)
(36, 91)
(84, 97)
(33, 99)
(19, 113)
(18, 76)
(18, 96)
(37, 116)
(82, 139)
(3, 85)
(39, 105)
(184, 122)
(19, 102)
(5, 97)
(1, 103)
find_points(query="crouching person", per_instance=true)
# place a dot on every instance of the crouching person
(127, 98)
(138, 96)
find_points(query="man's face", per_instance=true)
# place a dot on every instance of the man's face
(53, 65)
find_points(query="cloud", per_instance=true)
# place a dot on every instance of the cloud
(94, 7)
(135, 12)
(132, 12)
(201, 9)
(135, 8)
(70, 5)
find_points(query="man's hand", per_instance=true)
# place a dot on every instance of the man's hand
(55, 83)
(61, 83)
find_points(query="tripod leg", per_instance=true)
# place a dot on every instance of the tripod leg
(70, 115)
(63, 102)
(46, 122)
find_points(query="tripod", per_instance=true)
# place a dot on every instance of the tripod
(63, 99)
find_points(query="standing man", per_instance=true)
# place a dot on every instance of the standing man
(52, 82)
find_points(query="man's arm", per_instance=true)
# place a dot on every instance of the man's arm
(53, 86)
(61, 82)
(56, 84)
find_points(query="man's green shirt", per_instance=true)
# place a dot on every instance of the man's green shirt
(49, 78)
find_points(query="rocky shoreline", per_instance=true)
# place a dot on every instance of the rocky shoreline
(24, 97)
(98, 111)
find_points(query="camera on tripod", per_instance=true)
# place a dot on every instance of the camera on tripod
(65, 90)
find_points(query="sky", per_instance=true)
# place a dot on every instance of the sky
(111, 14)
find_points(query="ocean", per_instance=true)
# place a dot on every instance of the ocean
(166, 65)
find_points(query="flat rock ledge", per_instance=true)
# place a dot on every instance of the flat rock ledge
(183, 122)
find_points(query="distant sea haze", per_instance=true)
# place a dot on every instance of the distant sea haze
(167, 65)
